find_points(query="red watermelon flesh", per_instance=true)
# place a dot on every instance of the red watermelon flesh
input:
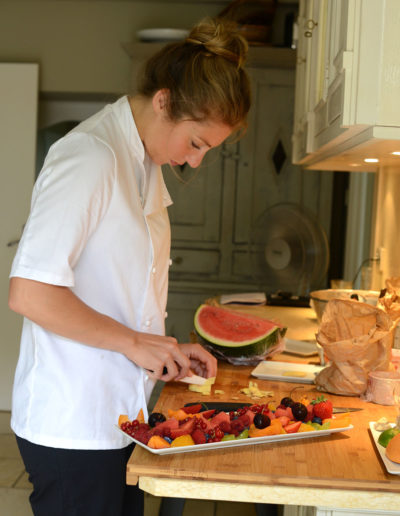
(235, 333)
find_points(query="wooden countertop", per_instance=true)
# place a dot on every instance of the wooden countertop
(346, 463)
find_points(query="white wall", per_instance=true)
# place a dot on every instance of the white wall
(78, 43)
(386, 232)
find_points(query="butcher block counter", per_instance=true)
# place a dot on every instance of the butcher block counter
(340, 470)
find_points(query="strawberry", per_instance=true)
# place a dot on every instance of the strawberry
(208, 413)
(292, 428)
(198, 436)
(310, 412)
(225, 427)
(322, 407)
(192, 409)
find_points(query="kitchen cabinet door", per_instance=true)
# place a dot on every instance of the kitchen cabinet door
(196, 193)
(266, 174)
(18, 108)
(347, 104)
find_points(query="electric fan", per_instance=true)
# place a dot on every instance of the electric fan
(289, 250)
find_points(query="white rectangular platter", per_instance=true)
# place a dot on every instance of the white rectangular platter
(240, 442)
(392, 467)
(286, 371)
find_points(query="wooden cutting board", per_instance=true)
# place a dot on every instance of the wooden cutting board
(344, 461)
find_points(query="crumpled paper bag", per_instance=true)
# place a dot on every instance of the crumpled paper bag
(356, 338)
(389, 300)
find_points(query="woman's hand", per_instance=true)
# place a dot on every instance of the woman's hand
(156, 353)
(60, 311)
(201, 361)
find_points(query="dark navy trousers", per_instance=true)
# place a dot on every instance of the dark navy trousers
(80, 482)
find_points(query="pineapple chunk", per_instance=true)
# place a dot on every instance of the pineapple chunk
(204, 389)
(254, 392)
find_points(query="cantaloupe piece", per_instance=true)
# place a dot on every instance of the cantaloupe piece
(140, 416)
(123, 418)
(157, 442)
(183, 440)
(393, 449)
(272, 429)
(338, 422)
(179, 414)
(305, 428)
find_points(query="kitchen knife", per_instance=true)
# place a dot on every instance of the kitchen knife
(340, 410)
(194, 379)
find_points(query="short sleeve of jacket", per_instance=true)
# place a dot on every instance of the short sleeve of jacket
(70, 197)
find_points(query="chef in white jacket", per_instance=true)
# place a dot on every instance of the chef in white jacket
(91, 273)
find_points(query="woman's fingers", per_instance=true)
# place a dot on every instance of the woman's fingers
(160, 356)
(202, 362)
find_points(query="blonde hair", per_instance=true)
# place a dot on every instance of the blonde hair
(204, 75)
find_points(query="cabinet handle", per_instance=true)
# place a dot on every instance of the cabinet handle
(310, 25)
(178, 260)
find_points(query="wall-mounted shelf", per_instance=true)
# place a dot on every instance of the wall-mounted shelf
(258, 57)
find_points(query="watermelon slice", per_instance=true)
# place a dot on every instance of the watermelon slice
(235, 334)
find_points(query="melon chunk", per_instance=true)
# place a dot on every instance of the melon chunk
(236, 334)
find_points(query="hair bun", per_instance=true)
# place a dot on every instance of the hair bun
(221, 38)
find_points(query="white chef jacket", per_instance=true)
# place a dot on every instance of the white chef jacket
(98, 225)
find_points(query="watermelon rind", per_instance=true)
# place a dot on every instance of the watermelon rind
(258, 346)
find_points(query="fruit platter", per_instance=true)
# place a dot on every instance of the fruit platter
(196, 427)
(386, 436)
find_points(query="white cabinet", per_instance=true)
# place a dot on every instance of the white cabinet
(347, 102)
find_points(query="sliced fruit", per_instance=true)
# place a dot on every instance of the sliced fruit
(284, 420)
(192, 409)
(170, 424)
(304, 427)
(244, 434)
(236, 334)
(182, 440)
(228, 437)
(208, 413)
(280, 411)
(322, 407)
(123, 418)
(221, 416)
(156, 417)
(337, 422)
(140, 416)
(198, 436)
(387, 435)
(269, 430)
(178, 414)
(158, 442)
(393, 449)
(185, 428)
(261, 421)
(292, 428)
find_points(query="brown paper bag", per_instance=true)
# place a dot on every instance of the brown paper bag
(356, 338)
(389, 300)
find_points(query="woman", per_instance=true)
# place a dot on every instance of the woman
(90, 273)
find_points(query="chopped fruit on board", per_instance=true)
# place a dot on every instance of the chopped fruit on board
(254, 392)
(204, 389)
(192, 425)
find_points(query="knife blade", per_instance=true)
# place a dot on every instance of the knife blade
(194, 379)
(340, 410)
